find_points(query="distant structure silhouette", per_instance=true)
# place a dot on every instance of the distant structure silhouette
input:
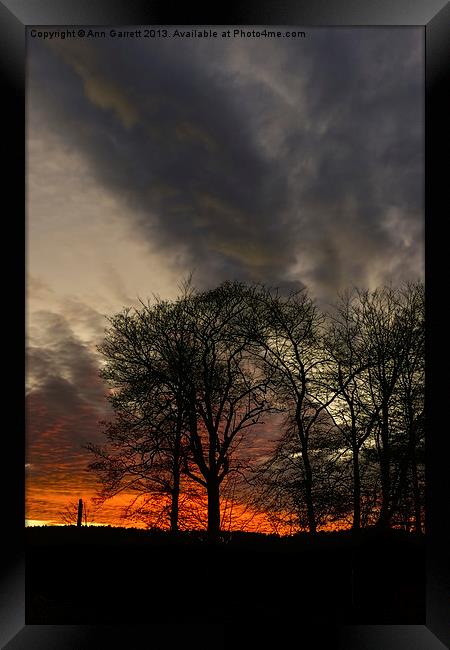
(80, 513)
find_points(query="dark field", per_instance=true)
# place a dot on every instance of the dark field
(114, 575)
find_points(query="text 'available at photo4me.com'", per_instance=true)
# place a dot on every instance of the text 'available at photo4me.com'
(164, 33)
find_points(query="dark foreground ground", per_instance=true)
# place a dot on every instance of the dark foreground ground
(113, 575)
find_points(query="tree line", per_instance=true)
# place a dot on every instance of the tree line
(189, 379)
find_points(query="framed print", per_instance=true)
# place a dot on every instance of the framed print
(230, 232)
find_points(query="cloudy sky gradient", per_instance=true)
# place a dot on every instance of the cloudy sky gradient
(290, 162)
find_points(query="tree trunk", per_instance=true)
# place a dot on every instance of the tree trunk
(356, 490)
(415, 480)
(213, 509)
(416, 494)
(383, 520)
(308, 474)
(174, 509)
(308, 492)
(401, 491)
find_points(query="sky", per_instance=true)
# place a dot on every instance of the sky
(292, 162)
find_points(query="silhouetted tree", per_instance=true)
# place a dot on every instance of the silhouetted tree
(184, 390)
(145, 353)
(279, 482)
(357, 377)
(288, 335)
(375, 344)
(189, 377)
(227, 392)
(346, 371)
(408, 409)
(389, 334)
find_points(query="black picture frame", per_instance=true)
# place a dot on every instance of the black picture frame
(15, 16)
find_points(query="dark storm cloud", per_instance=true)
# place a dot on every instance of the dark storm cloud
(253, 159)
(365, 186)
(63, 356)
(178, 151)
(65, 401)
